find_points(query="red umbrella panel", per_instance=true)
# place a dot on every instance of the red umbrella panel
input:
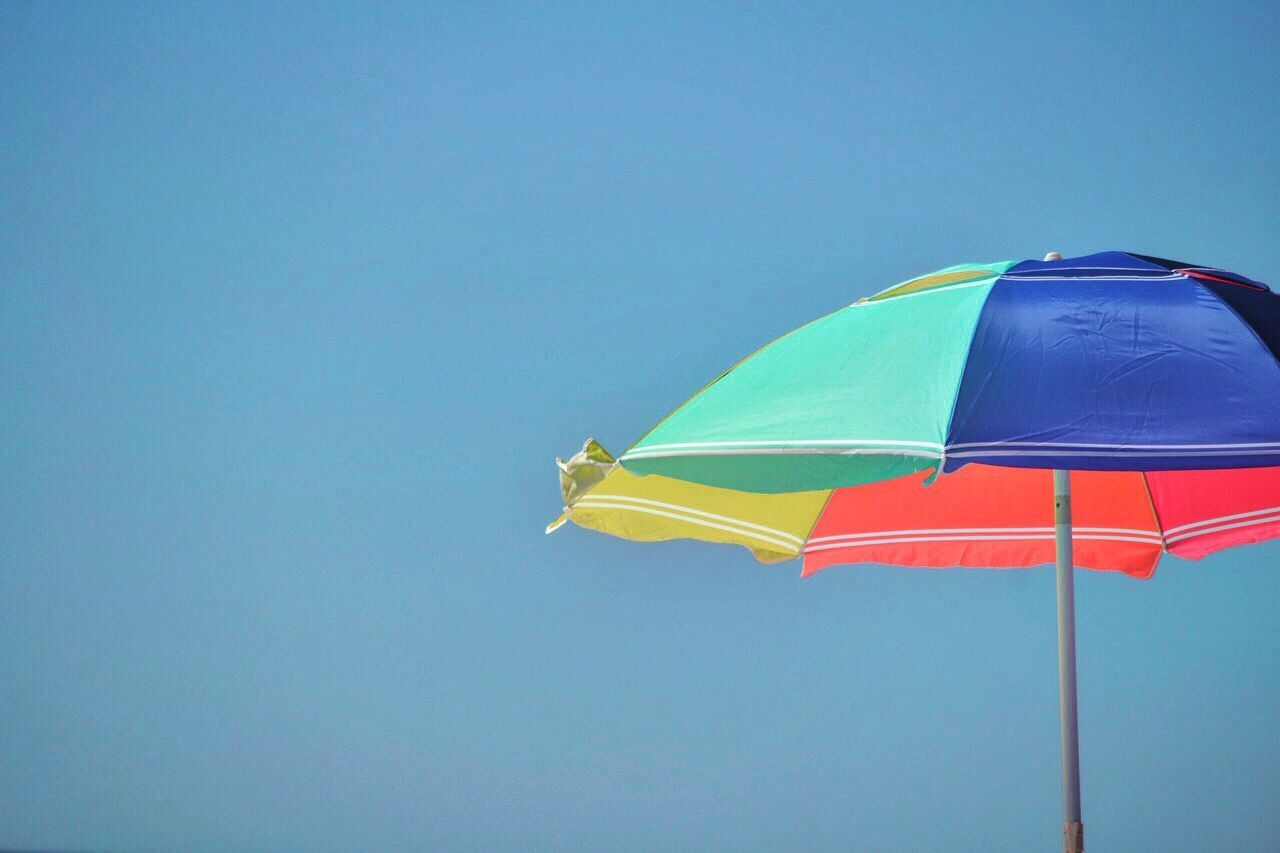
(984, 516)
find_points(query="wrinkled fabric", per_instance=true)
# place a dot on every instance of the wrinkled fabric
(1115, 363)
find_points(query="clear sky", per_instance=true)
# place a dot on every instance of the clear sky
(298, 303)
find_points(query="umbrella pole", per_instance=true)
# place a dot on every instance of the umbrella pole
(1072, 827)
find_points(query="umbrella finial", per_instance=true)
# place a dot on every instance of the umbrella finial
(1053, 256)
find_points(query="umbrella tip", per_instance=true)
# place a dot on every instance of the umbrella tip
(1053, 256)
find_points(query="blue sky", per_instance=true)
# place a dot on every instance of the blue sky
(298, 303)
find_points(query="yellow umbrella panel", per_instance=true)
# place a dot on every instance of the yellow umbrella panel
(600, 494)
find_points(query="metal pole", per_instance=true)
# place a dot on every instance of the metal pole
(1072, 827)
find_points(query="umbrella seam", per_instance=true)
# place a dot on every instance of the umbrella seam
(964, 370)
(1151, 502)
(1252, 331)
(812, 527)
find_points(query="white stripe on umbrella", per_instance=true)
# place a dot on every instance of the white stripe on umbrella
(1182, 527)
(1218, 528)
(1151, 534)
(678, 508)
(1039, 537)
(587, 503)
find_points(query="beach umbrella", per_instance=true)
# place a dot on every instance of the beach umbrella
(1097, 411)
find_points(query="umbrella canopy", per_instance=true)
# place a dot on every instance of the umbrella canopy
(1150, 387)
(981, 516)
(1113, 361)
(1157, 381)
